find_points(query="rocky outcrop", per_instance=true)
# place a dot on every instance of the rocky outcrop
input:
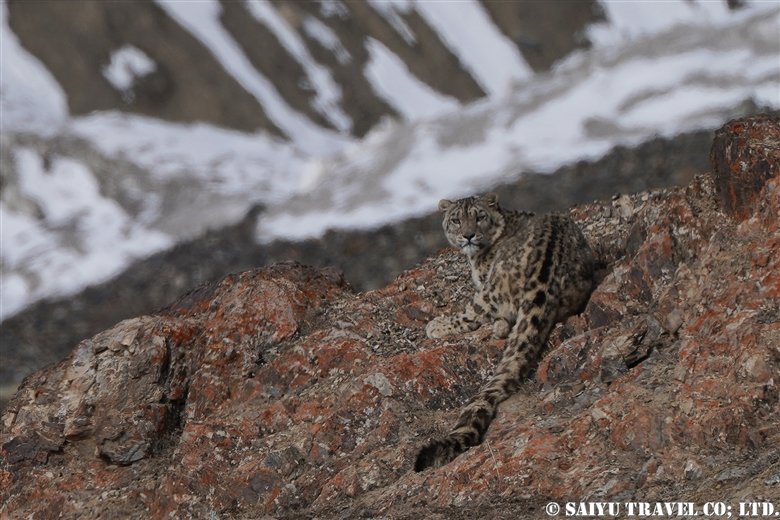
(280, 391)
(744, 156)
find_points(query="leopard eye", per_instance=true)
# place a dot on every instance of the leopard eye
(481, 216)
(455, 221)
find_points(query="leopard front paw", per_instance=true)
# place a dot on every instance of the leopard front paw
(438, 327)
(501, 328)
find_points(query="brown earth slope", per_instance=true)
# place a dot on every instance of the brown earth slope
(279, 391)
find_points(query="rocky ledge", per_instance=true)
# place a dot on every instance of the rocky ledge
(281, 392)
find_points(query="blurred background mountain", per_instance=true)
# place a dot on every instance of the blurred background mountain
(148, 147)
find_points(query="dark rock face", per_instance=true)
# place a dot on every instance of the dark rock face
(280, 391)
(745, 153)
(544, 35)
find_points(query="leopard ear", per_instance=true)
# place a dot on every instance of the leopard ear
(444, 205)
(491, 199)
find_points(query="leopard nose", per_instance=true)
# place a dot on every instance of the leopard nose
(468, 236)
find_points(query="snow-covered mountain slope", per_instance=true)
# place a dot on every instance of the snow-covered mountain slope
(663, 78)
(454, 101)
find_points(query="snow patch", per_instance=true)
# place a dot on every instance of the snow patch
(629, 21)
(392, 80)
(230, 163)
(127, 65)
(323, 35)
(391, 11)
(83, 237)
(202, 20)
(492, 59)
(31, 100)
(330, 8)
(328, 91)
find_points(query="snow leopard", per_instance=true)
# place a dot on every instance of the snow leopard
(530, 272)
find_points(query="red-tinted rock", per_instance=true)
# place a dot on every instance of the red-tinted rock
(745, 154)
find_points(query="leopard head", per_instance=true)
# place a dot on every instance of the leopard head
(472, 224)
